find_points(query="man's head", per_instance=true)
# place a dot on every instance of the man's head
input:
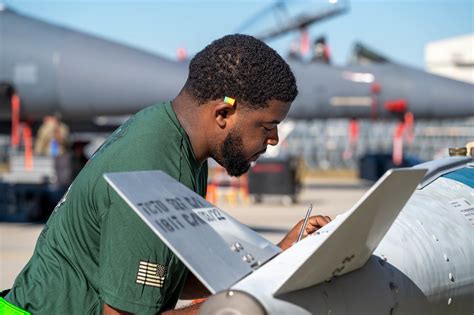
(261, 83)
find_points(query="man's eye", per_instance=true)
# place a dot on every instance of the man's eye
(267, 129)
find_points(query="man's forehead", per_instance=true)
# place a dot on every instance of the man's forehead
(276, 111)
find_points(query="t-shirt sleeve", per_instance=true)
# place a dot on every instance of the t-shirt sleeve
(137, 271)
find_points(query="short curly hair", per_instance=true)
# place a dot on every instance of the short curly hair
(241, 67)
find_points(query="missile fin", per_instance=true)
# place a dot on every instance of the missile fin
(346, 243)
(215, 247)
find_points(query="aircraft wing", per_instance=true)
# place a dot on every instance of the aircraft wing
(215, 247)
(347, 242)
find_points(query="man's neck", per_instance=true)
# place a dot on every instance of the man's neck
(189, 116)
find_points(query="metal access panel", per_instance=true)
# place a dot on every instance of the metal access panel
(217, 249)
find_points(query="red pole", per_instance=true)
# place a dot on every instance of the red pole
(28, 143)
(397, 154)
(410, 121)
(375, 90)
(15, 136)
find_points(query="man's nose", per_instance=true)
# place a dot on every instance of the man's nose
(273, 137)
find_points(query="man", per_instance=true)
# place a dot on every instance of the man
(52, 137)
(88, 255)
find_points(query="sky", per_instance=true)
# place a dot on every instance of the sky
(399, 30)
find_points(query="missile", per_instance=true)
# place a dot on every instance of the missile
(405, 248)
(422, 265)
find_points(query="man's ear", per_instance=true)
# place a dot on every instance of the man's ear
(222, 113)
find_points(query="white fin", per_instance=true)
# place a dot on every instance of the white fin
(347, 242)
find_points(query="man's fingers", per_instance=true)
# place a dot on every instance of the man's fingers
(316, 222)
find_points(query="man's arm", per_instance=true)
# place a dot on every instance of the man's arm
(109, 310)
(314, 223)
(190, 310)
(194, 289)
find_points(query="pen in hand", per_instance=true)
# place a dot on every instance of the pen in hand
(308, 213)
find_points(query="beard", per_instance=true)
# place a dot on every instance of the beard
(232, 158)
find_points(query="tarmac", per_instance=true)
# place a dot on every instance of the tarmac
(272, 218)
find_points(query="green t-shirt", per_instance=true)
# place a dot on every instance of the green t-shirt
(94, 249)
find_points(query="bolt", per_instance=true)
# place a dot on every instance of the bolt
(230, 293)
(446, 257)
(451, 277)
(435, 238)
(450, 300)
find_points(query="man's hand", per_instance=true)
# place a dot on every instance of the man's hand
(314, 223)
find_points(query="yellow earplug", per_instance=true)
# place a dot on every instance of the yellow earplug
(229, 100)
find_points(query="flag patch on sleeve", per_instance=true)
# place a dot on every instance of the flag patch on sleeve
(151, 274)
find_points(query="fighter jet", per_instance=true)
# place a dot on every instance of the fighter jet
(405, 248)
(54, 69)
(57, 70)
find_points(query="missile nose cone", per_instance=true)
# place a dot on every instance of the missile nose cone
(233, 302)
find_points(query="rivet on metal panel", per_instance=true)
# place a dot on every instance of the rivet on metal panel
(419, 222)
(234, 248)
(450, 300)
(383, 257)
(446, 258)
(435, 238)
(230, 293)
(238, 245)
(451, 277)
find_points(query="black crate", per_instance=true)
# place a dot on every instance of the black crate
(273, 176)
